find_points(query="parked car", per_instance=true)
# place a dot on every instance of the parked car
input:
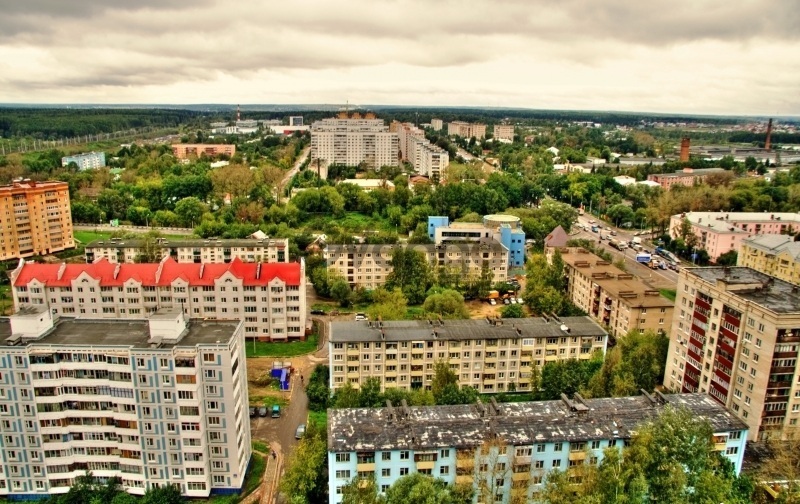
(506, 301)
(262, 411)
(252, 411)
(492, 302)
(519, 300)
(301, 430)
(613, 233)
(512, 300)
(317, 312)
(361, 316)
(276, 411)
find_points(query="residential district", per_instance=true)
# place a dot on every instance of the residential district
(296, 310)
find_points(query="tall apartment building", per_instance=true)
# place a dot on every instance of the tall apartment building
(466, 130)
(185, 151)
(86, 161)
(720, 232)
(736, 337)
(616, 299)
(152, 402)
(492, 355)
(504, 132)
(510, 446)
(354, 140)
(119, 250)
(686, 177)
(437, 124)
(270, 298)
(775, 255)
(368, 265)
(35, 219)
(427, 159)
(506, 229)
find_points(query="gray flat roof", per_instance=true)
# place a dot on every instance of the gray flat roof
(421, 330)
(769, 292)
(5, 328)
(198, 242)
(525, 423)
(132, 333)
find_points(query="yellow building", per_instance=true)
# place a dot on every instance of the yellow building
(615, 299)
(776, 255)
(35, 219)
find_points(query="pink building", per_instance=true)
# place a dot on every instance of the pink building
(721, 232)
(687, 177)
(183, 151)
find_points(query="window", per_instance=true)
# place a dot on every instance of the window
(386, 455)
(404, 455)
(403, 471)
(386, 472)
(343, 457)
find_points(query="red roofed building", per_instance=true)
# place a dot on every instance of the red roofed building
(269, 297)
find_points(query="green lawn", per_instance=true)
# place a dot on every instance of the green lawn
(85, 237)
(668, 293)
(292, 349)
(254, 474)
(260, 446)
(318, 418)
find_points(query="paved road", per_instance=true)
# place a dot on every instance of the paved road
(291, 173)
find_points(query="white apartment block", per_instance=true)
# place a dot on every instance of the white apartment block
(437, 124)
(86, 161)
(466, 130)
(119, 250)
(152, 402)
(736, 337)
(493, 355)
(350, 142)
(368, 265)
(504, 132)
(427, 159)
(270, 298)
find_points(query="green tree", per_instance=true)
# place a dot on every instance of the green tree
(636, 363)
(448, 304)
(305, 479)
(512, 311)
(420, 234)
(166, 494)
(417, 488)
(340, 290)
(360, 490)
(388, 305)
(149, 249)
(729, 258)
(190, 210)
(410, 273)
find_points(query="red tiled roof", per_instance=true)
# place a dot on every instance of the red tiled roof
(159, 274)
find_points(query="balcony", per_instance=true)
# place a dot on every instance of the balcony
(522, 476)
(366, 467)
(577, 455)
(423, 465)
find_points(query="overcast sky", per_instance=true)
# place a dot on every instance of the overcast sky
(686, 56)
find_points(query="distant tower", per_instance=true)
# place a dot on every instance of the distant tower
(238, 114)
(768, 142)
(685, 141)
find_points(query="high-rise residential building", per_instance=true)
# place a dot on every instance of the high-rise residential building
(616, 299)
(721, 232)
(270, 298)
(437, 124)
(35, 219)
(504, 132)
(87, 161)
(507, 448)
(354, 140)
(506, 229)
(295, 120)
(466, 130)
(776, 255)
(185, 151)
(492, 355)
(154, 402)
(366, 265)
(736, 337)
(427, 159)
(119, 250)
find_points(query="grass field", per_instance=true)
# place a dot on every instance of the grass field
(668, 293)
(85, 237)
(265, 349)
(318, 418)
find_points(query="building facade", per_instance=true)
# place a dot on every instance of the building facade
(270, 298)
(466, 130)
(614, 298)
(368, 265)
(505, 449)
(118, 250)
(736, 337)
(427, 159)
(506, 229)
(35, 219)
(437, 124)
(185, 151)
(354, 140)
(152, 402)
(720, 232)
(493, 355)
(775, 255)
(504, 132)
(686, 177)
(87, 161)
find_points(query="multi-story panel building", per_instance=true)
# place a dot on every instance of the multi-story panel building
(152, 402)
(491, 355)
(352, 141)
(427, 159)
(119, 250)
(686, 177)
(506, 229)
(35, 219)
(512, 446)
(269, 297)
(736, 337)
(504, 132)
(437, 124)
(720, 232)
(87, 161)
(776, 255)
(466, 130)
(368, 265)
(616, 299)
(185, 151)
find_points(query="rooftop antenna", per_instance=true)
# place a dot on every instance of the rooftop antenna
(238, 113)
